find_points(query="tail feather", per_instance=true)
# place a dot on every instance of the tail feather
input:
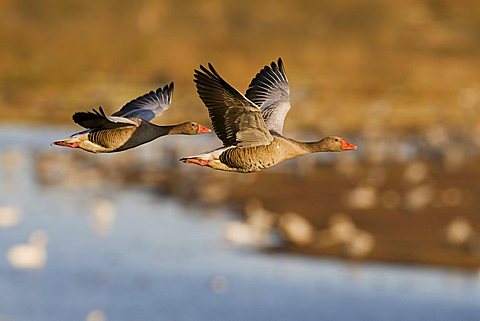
(204, 157)
(213, 155)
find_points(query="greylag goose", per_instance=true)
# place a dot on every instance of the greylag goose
(251, 126)
(129, 127)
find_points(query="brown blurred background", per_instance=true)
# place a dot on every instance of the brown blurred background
(400, 79)
(420, 57)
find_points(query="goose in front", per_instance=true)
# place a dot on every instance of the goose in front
(129, 127)
(250, 126)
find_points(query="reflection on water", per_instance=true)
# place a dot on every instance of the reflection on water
(123, 254)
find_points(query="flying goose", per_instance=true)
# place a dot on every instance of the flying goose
(129, 127)
(251, 126)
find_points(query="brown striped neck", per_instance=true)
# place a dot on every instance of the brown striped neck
(172, 130)
(156, 131)
(187, 128)
(323, 145)
(168, 130)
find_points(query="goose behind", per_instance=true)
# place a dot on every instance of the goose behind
(129, 127)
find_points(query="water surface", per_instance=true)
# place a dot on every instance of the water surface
(161, 261)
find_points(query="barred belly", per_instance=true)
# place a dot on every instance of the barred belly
(110, 139)
(252, 159)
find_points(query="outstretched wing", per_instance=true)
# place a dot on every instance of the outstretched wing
(270, 91)
(235, 119)
(149, 105)
(98, 119)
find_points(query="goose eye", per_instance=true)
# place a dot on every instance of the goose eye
(336, 139)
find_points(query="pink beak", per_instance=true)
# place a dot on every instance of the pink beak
(65, 144)
(347, 146)
(203, 129)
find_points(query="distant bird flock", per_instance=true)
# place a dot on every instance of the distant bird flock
(250, 126)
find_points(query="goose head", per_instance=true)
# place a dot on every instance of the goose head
(334, 144)
(190, 128)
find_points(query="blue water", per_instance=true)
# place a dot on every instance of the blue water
(163, 261)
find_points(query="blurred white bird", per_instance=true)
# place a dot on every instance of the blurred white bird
(459, 231)
(342, 229)
(363, 197)
(255, 231)
(96, 315)
(419, 197)
(9, 216)
(102, 216)
(415, 172)
(361, 244)
(296, 229)
(242, 233)
(31, 255)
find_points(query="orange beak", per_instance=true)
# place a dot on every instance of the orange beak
(347, 146)
(203, 129)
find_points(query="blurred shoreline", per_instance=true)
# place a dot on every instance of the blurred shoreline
(421, 224)
(398, 199)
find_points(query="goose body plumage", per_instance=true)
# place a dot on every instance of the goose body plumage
(250, 126)
(129, 127)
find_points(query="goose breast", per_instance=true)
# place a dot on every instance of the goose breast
(253, 159)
